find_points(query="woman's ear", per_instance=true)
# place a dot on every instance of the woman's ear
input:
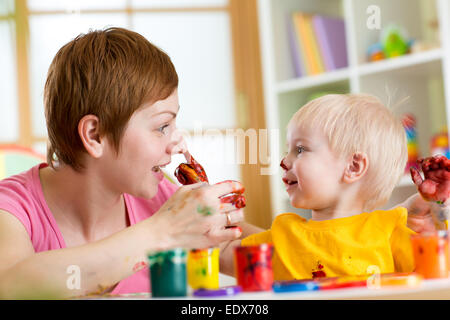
(88, 129)
(357, 167)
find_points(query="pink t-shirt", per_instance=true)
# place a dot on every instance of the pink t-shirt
(22, 196)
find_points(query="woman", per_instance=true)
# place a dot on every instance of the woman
(101, 203)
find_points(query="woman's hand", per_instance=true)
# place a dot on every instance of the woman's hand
(195, 217)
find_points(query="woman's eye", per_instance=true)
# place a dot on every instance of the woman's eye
(163, 128)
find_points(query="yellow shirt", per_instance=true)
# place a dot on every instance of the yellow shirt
(338, 247)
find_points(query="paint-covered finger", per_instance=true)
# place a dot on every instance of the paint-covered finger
(226, 187)
(238, 200)
(435, 163)
(226, 207)
(415, 176)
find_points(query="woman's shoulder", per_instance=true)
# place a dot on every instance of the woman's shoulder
(19, 196)
(19, 189)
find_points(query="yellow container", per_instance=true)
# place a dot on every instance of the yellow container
(203, 268)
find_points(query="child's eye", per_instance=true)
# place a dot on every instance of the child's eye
(300, 149)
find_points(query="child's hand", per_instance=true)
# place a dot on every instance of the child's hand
(436, 185)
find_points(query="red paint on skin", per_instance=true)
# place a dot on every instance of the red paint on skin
(193, 172)
(282, 165)
(435, 186)
(139, 266)
(237, 200)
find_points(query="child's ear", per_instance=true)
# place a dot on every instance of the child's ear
(88, 129)
(357, 167)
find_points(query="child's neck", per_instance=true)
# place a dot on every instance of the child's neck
(344, 207)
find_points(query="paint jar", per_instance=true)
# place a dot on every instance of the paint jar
(203, 268)
(253, 267)
(168, 273)
(431, 254)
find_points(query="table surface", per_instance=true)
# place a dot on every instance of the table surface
(436, 289)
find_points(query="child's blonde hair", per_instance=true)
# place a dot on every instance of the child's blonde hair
(361, 123)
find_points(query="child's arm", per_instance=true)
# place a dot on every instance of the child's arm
(226, 259)
(248, 229)
(424, 216)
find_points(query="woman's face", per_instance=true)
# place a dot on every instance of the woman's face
(147, 144)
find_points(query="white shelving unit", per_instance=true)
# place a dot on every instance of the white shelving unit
(423, 76)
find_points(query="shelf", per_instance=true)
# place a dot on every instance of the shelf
(312, 81)
(401, 62)
(391, 64)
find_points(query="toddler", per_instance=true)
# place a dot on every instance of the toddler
(346, 154)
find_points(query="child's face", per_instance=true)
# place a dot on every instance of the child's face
(148, 142)
(312, 173)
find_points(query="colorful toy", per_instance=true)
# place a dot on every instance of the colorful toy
(253, 267)
(168, 273)
(409, 123)
(439, 144)
(394, 41)
(431, 254)
(375, 52)
(203, 268)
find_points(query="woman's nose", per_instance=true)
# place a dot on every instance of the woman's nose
(177, 143)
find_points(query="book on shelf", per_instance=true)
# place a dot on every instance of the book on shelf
(332, 40)
(306, 41)
(313, 43)
(301, 49)
(317, 43)
(299, 67)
